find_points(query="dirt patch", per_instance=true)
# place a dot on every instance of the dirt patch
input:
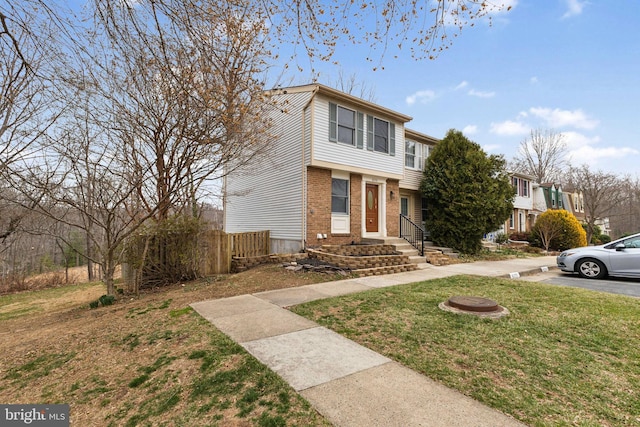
(61, 351)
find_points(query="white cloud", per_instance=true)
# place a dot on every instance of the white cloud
(577, 140)
(509, 128)
(561, 118)
(470, 129)
(491, 147)
(533, 80)
(574, 7)
(422, 96)
(595, 155)
(462, 85)
(480, 94)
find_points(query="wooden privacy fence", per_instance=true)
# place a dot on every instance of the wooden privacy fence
(219, 248)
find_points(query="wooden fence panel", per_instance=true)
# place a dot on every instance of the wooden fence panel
(219, 247)
(250, 244)
(216, 253)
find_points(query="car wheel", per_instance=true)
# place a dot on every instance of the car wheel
(591, 269)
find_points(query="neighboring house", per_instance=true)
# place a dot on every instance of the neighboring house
(574, 203)
(417, 148)
(522, 217)
(553, 195)
(334, 172)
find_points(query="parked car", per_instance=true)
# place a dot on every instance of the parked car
(620, 258)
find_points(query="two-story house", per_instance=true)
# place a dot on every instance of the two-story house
(523, 214)
(553, 195)
(334, 172)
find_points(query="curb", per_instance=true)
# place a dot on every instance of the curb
(531, 272)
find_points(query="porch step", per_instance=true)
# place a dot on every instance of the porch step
(390, 269)
(434, 255)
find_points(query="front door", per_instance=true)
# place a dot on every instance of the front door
(371, 216)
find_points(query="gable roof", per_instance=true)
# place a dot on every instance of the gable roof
(317, 88)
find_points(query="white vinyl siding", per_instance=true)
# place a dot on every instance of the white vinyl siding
(413, 175)
(267, 194)
(324, 150)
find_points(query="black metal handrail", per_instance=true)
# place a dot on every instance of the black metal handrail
(412, 233)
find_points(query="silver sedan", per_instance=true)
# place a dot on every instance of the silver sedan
(620, 258)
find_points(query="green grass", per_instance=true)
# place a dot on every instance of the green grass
(563, 356)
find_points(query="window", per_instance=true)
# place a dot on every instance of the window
(381, 136)
(410, 154)
(346, 126)
(414, 153)
(404, 206)
(521, 186)
(340, 196)
(512, 221)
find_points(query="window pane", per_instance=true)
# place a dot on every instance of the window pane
(339, 196)
(410, 154)
(346, 125)
(346, 117)
(345, 135)
(404, 206)
(381, 136)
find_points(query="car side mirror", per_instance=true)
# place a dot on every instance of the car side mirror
(620, 246)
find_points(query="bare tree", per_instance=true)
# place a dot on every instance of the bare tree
(625, 218)
(29, 98)
(603, 194)
(542, 155)
(352, 86)
(186, 97)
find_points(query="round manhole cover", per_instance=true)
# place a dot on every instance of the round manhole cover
(478, 304)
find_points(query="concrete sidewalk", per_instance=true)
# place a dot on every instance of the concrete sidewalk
(347, 383)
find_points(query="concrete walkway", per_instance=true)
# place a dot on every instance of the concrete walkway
(347, 383)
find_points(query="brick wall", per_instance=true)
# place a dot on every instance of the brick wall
(393, 208)
(319, 208)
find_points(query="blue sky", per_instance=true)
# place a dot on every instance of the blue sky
(568, 65)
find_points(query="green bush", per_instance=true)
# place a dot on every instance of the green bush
(104, 300)
(107, 300)
(501, 238)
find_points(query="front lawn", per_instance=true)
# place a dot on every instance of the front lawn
(147, 360)
(563, 356)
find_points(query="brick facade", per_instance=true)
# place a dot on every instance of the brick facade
(319, 209)
(393, 208)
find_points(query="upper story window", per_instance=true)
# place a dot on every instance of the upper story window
(521, 186)
(415, 154)
(346, 125)
(410, 155)
(381, 136)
